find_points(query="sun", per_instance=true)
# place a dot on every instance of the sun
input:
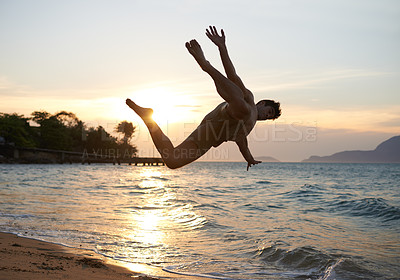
(168, 106)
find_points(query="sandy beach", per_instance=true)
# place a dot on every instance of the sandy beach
(24, 258)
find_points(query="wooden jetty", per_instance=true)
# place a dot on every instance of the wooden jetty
(131, 161)
(15, 154)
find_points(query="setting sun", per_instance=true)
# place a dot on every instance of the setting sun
(168, 106)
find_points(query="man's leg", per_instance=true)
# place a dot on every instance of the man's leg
(226, 88)
(183, 154)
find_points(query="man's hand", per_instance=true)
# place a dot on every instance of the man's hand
(250, 164)
(212, 33)
(244, 149)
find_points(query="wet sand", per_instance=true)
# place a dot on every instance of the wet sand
(24, 258)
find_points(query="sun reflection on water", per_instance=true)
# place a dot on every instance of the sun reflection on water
(150, 173)
(149, 231)
(158, 219)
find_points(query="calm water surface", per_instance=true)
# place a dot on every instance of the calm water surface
(276, 221)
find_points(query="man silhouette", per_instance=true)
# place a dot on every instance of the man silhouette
(231, 120)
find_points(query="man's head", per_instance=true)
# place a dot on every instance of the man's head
(268, 110)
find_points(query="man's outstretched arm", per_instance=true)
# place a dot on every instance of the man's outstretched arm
(244, 149)
(219, 41)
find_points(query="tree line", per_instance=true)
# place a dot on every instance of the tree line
(63, 131)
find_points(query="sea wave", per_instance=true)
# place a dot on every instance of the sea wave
(264, 182)
(16, 216)
(368, 207)
(302, 258)
(310, 263)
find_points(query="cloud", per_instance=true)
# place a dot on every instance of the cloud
(282, 81)
(9, 88)
(391, 122)
(189, 106)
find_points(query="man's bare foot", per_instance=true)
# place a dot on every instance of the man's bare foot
(195, 50)
(144, 113)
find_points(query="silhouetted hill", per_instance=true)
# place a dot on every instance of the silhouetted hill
(386, 152)
(267, 159)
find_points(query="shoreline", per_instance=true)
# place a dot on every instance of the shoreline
(26, 258)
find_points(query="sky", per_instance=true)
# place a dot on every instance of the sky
(333, 65)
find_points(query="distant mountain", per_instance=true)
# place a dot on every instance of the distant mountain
(386, 152)
(267, 159)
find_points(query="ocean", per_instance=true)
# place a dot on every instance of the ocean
(216, 220)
